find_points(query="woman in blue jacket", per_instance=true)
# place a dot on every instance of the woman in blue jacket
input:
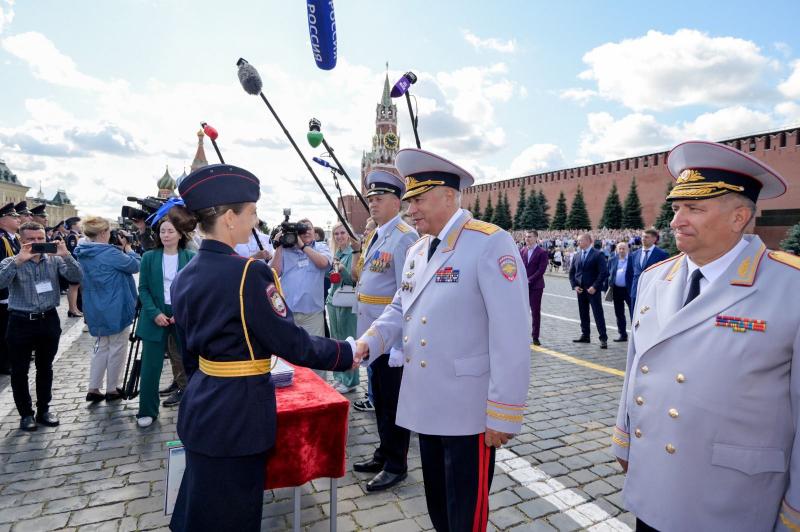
(109, 303)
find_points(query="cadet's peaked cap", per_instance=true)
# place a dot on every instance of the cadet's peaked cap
(383, 182)
(8, 210)
(424, 170)
(218, 184)
(69, 222)
(22, 207)
(39, 210)
(705, 170)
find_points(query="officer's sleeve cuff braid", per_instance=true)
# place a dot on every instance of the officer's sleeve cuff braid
(504, 417)
(621, 438)
(789, 517)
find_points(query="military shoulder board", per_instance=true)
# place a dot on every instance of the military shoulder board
(483, 227)
(657, 264)
(785, 258)
(403, 228)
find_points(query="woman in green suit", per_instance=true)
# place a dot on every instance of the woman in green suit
(342, 319)
(156, 325)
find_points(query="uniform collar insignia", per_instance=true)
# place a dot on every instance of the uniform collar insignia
(746, 272)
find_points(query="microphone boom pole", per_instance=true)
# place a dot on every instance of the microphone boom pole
(413, 120)
(344, 173)
(246, 84)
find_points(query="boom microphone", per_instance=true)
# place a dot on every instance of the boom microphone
(326, 164)
(249, 77)
(322, 32)
(403, 84)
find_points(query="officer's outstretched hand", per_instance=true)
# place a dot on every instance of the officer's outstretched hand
(497, 439)
(362, 352)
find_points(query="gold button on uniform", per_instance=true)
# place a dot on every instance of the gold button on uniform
(670, 448)
(673, 413)
(640, 400)
(680, 378)
(423, 364)
(408, 318)
(638, 433)
(424, 320)
(645, 369)
(408, 359)
(423, 342)
(405, 339)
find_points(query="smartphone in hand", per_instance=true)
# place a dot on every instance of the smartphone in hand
(44, 247)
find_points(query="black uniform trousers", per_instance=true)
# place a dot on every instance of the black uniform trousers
(585, 300)
(458, 472)
(5, 359)
(24, 337)
(641, 526)
(220, 494)
(393, 449)
(621, 298)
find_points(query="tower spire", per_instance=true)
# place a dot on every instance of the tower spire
(199, 156)
(386, 100)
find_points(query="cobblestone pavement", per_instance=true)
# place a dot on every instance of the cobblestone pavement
(98, 471)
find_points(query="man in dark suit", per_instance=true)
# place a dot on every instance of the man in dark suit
(587, 275)
(643, 258)
(618, 284)
(535, 259)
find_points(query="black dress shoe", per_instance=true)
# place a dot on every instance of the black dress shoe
(621, 339)
(48, 419)
(536, 341)
(28, 423)
(368, 466)
(94, 397)
(581, 340)
(174, 399)
(169, 390)
(113, 396)
(603, 344)
(5, 371)
(385, 480)
(71, 314)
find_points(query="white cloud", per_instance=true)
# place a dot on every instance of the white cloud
(491, 43)
(581, 96)
(49, 64)
(784, 48)
(659, 71)
(6, 13)
(537, 158)
(729, 122)
(789, 113)
(791, 87)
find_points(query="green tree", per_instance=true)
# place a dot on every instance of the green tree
(578, 215)
(476, 208)
(632, 210)
(665, 214)
(520, 209)
(667, 242)
(543, 208)
(560, 217)
(502, 213)
(529, 216)
(792, 242)
(488, 214)
(612, 211)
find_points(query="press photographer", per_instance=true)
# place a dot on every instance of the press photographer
(32, 280)
(302, 262)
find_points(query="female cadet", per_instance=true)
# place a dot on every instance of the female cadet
(230, 318)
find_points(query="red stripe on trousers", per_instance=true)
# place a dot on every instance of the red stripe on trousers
(484, 493)
(478, 499)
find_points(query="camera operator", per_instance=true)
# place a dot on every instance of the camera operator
(302, 268)
(259, 250)
(147, 239)
(32, 280)
(109, 301)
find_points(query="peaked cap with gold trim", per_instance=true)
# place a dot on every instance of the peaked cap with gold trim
(705, 170)
(424, 170)
(384, 182)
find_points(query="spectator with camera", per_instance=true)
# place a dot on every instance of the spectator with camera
(109, 301)
(32, 281)
(156, 326)
(341, 302)
(301, 263)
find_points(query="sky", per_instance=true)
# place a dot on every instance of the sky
(99, 97)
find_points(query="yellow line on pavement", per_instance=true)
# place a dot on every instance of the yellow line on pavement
(578, 361)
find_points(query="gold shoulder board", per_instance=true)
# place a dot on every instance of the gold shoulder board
(785, 258)
(483, 227)
(403, 228)
(657, 264)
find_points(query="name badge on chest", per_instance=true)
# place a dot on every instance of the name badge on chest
(44, 287)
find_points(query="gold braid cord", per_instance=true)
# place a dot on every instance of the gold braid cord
(701, 190)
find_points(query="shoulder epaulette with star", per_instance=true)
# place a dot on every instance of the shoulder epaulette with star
(482, 227)
(403, 228)
(788, 259)
(657, 264)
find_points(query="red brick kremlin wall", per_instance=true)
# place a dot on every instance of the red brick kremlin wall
(778, 149)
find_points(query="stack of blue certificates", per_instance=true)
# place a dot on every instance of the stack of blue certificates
(282, 373)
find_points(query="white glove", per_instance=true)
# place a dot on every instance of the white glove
(395, 357)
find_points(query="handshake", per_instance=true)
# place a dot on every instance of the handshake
(360, 353)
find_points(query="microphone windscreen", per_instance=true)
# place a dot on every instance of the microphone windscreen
(249, 78)
(322, 32)
(321, 162)
(401, 87)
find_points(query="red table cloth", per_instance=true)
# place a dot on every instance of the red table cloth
(312, 432)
